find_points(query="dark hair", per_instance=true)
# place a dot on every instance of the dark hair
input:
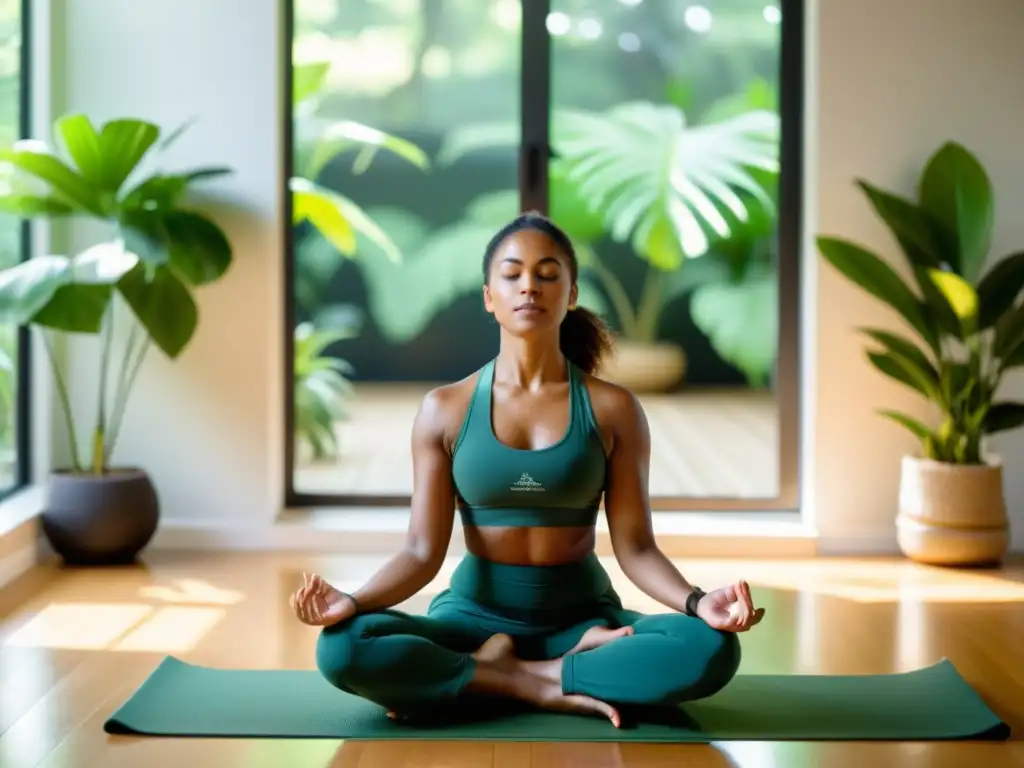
(584, 337)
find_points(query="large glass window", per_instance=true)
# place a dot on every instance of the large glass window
(13, 249)
(660, 135)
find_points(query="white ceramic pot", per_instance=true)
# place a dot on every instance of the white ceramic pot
(952, 514)
(645, 368)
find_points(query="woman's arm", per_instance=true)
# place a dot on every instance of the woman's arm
(627, 506)
(433, 513)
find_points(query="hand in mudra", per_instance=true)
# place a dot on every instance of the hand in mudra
(730, 608)
(319, 604)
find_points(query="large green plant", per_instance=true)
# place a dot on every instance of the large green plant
(159, 252)
(968, 320)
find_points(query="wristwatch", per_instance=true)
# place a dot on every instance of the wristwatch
(692, 599)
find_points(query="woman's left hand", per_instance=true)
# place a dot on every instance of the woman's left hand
(730, 609)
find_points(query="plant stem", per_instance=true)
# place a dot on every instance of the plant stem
(616, 295)
(121, 403)
(98, 452)
(65, 402)
(649, 305)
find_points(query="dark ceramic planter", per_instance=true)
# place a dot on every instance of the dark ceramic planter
(100, 519)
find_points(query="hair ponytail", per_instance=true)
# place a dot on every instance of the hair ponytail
(584, 339)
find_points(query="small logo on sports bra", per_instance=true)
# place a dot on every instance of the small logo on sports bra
(526, 483)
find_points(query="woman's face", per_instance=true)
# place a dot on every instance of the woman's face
(530, 285)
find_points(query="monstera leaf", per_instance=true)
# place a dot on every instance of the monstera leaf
(667, 187)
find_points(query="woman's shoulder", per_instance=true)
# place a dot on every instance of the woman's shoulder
(614, 406)
(444, 407)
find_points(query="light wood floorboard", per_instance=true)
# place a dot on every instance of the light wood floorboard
(74, 644)
(716, 443)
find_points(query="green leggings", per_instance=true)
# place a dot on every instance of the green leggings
(401, 661)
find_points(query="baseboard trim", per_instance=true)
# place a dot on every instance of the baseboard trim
(689, 537)
(853, 546)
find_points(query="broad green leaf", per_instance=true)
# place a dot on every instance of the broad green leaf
(76, 308)
(1003, 417)
(911, 226)
(28, 206)
(495, 209)
(741, 322)
(347, 134)
(705, 270)
(308, 79)
(163, 306)
(906, 349)
(445, 265)
(916, 428)
(870, 273)
(144, 234)
(897, 368)
(641, 167)
(1009, 332)
(199, 249)
(35, 159)
(69, 295)
(28, 287)
(103, 263)
(956, 191)
(959, 293)
(331, 213)
(122, 145)
(935, 307)
(321, 210)
(569, 210)
(661, 249)
(999, 288)
(1015, 359)
(167, 190)
(82, 143)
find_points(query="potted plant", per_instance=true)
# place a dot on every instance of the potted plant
(967, 324)
(159, 252)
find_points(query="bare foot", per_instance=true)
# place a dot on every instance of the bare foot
(541, 685)
(495, 650)
(595, 637)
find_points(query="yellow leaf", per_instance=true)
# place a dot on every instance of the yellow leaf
(958, 292)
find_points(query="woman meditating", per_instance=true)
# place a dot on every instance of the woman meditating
(526, 448)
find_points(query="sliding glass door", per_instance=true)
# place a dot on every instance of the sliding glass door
(664, 137)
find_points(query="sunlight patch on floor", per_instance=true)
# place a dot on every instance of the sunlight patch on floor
(116, 627)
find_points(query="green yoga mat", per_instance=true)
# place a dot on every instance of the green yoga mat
(934, 703)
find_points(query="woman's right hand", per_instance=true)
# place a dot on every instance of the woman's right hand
(318, 604)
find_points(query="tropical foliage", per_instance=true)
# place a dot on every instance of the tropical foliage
(160, 251)
(965, 314)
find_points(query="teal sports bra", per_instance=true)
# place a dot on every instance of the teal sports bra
(497, 485)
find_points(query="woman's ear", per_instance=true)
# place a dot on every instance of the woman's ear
(488, 305)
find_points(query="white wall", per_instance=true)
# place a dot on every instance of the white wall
(208, 427)
(889, 83)
(895, 80)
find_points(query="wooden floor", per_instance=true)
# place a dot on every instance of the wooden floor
(73, 646)
(718, 443)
